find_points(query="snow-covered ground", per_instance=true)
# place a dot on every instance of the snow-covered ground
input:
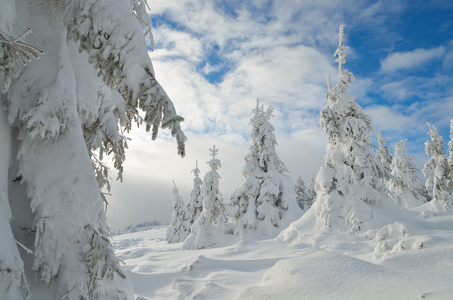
(409, 259)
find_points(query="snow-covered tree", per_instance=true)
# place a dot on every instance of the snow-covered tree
(406, 187)
(303, 198)
(311, 193)
(349, 183)
(177, 231)
(437, 170)
(63, 112)
(195, 205)
(212, 219)
(266, 195)
(383, 156)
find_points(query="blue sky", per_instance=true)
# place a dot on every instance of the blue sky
(214, 58)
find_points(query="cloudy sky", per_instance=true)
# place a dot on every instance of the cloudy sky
(216, 57)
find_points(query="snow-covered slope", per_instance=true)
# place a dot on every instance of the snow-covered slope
(409, 259)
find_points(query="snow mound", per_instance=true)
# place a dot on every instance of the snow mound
(322, 274)
(309, 229)
(393, 238)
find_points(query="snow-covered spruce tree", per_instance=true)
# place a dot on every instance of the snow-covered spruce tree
(212, 219)
(177, 231)
(59, 114)
(350, 182)
(267, 194)
(195, 205)
(383, 156)
(437, 170)
(302, 196)
(311, 193)
(407, 189)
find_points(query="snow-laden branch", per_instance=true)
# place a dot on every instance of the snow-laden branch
(13, 49)
(111, 33)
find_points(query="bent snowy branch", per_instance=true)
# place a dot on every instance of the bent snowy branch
(13, 49)
(112, 35)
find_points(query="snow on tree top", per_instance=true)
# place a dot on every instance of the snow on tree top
(214, 163)
(213, 151)
(196, 171)
(340, 52)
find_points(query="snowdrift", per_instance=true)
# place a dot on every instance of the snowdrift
(409, 257)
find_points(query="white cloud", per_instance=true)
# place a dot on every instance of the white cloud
(398, 90)
(360, 87)
(411, 59)
(424, 88)
(391, 120)
(398, 122)
(291, 78)
(176, 44)
(208, 68)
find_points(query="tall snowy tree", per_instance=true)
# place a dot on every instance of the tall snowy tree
(212, 219)
(60, 119)
(437, 170)
(383, 156)
(303, 198)
(177, 231)
(267, 194)
(311, 193)
(195, 205)
(406, 187)
(350, 182)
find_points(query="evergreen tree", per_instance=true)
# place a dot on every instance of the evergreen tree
(195, 205)
(212, 218)
(177, 231)
(407, 189)
(311, 191)
(383, 156)
(300, 190)
(262, 201)
(303, 196)
(61, 118)
(437, 170)
(350, 177)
